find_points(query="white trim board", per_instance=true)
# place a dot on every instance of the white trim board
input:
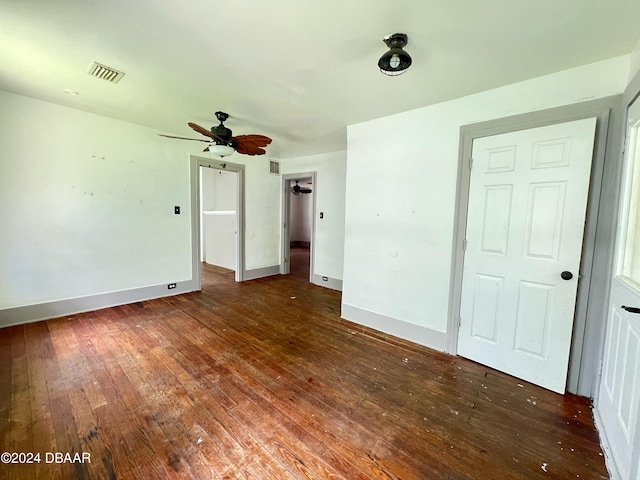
(71, 306)
(261, 272)
(332, 283)
(398, 328)
(610, 463)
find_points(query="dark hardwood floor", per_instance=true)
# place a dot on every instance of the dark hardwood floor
(263, 380)
(299, 262)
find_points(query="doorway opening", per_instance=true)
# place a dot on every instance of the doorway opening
(298, 225)
(217, 217)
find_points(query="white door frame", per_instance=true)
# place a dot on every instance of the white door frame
(631, 94)
(196, 240)
(285, 250)
(587, 336)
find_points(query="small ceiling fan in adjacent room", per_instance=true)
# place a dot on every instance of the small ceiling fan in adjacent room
(222, 143)
(297, 189)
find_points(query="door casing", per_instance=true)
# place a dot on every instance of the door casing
(195, 164)
(597, 256)
(631, 94)
(286, 207)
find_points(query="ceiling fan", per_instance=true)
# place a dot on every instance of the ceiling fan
(297, 189)
(222, 143)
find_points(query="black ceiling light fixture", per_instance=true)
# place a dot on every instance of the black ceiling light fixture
(396, 60)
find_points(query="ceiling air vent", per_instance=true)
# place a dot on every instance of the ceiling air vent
(274, 167)
(105, 73)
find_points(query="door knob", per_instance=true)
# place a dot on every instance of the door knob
(566, 275)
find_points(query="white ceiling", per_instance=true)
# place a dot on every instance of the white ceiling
(298, 71)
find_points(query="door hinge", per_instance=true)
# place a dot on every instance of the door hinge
(470, 163)
(464, 245)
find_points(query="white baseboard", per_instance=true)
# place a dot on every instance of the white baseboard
(261, 272)
(398, 328)
(328, 282)
(614, 473)
(60, 308)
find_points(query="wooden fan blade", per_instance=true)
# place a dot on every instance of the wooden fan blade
(205, 132)
(185, 138)
(251, 144)
(258, 140)
(201, 130)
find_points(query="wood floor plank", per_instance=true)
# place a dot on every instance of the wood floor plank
(358, 380)
(244, 399)
(263, 380)
(237, 361)
(61, 375)
(22, 439)
(188, 364)
(40, 352)
(89, 405)
(6, 390)
(127, 422)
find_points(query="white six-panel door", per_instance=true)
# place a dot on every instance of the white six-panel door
(525, 223)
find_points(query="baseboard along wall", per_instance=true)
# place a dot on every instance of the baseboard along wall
(327, 282)
(261, 272)
(398, 328)
(61, 308)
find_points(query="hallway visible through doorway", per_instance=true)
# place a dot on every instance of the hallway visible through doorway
(298, 210)
(299, 258)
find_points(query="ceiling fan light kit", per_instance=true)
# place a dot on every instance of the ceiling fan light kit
(396, 61)
(220, 150)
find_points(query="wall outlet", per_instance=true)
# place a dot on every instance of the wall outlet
(171, 286)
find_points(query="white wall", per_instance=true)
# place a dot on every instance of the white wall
(401, 185)
(330, 198)
(86, 205)
(219, 217)
(634, 63)
(219, 189)
(220, 239)
(300, 217)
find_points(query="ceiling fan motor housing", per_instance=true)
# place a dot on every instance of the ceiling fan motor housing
(220, 130)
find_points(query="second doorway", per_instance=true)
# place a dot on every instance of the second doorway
(298, 214)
